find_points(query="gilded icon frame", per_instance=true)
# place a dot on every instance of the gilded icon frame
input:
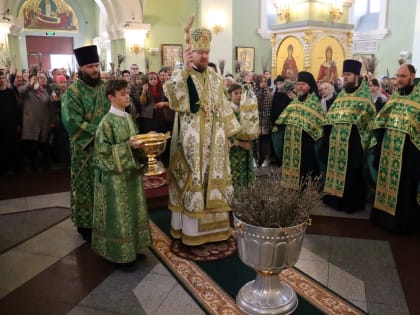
(246, 56)
(171, 54)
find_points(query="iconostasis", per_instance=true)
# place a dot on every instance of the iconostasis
(318, 51)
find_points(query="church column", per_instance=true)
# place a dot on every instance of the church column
(9, 45)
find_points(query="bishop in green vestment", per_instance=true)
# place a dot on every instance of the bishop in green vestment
(200, 183)
(83, 106)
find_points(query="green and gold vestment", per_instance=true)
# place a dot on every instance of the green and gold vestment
(298, 117)
(400, 117)
(83, 107)
(120, 220)
(241, 160)
(200, 183)
(349, 109)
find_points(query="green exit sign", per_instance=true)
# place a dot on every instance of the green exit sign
(50, 33)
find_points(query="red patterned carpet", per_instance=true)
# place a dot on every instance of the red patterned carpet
(216, 301)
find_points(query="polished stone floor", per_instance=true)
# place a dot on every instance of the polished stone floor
(336, 253)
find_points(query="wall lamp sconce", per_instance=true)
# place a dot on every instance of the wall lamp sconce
(283, 13)
(136, 48)
(282, 9)
(216, 20)
(217, 28)
(336, 11)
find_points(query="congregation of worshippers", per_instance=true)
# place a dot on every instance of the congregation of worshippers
(356, 131)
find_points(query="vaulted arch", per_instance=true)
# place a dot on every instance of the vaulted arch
(104, 22)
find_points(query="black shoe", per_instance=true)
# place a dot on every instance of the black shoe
(86, 233)
(127, 267)
(141, 257)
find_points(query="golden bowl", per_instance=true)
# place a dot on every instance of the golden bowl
(154, 146)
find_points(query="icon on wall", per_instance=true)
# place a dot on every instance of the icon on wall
(289, 59)
(327, 59)
(245, 57)
(171, 54)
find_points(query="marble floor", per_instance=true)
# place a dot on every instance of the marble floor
(338, 252)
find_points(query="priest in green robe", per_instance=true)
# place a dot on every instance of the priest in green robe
(297, 133)
(200, 183)
(396, 157)
(347, 137)
(83, 105)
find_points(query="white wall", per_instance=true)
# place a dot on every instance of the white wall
(221, 45)
(416, 42)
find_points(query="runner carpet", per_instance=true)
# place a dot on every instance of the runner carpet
(215, 284)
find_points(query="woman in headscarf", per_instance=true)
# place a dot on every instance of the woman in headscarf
(153, 101)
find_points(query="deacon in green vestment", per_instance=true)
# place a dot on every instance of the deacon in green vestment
(347, 137)
(120, 219)
(297, 133)
(396, 157)
(83, 105)
(200, 183)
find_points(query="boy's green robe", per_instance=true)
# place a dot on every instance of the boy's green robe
(120, 219)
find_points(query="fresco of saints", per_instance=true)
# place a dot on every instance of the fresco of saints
(48, 7)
